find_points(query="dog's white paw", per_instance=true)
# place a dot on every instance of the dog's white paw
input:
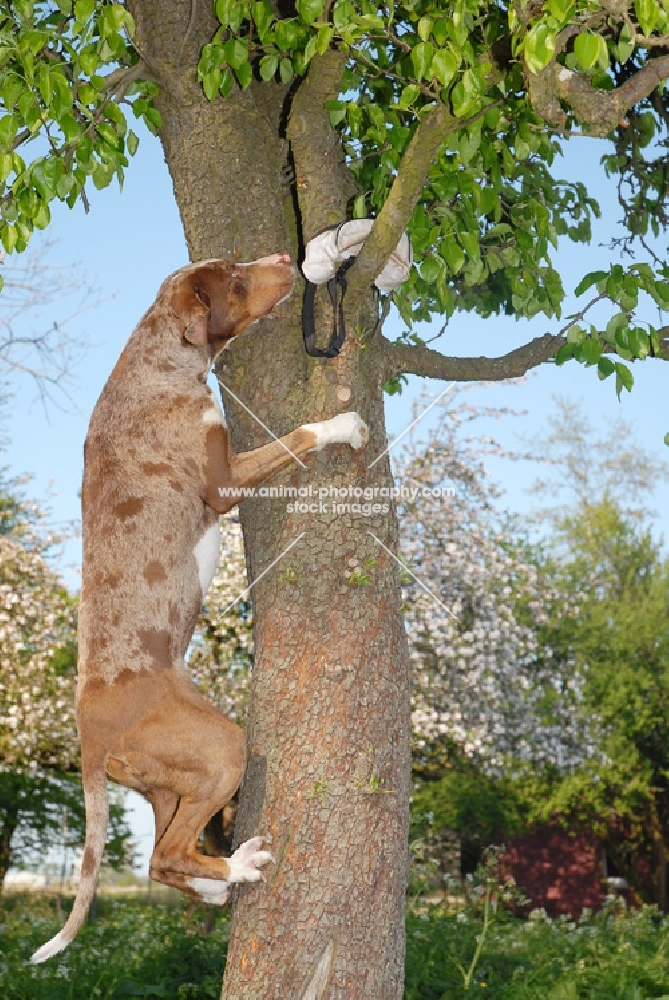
(345, 428)
(210, 890)
(247, 860)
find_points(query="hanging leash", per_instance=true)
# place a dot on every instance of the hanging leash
(335, 286)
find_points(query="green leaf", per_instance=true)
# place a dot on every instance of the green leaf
(564, 354)
(286, 70)
(336, 111)
(226, 82)
(591, 350)
(539, 47)
(309, 10)
(83, 9)
(409, 95)
(666, 438)
(430, 269)
(268, 66)
(107, 132)
(421, 57)
(624, 378)
(64, 185)
(647, 12)
(587, 48)
(560, 8)
(244, 75)
(576, 335)
(425, 28)
(461, 100)
(9, 125)
(211, 82)
(132, 142)
(605, 367)
(112, 20)
(324, 38)
(444, 66)
(453, 255)
(235, 52)
(625, 47)
(589, 280)
(6, 161)
(263, 15)
(229, 13)
(9, 237)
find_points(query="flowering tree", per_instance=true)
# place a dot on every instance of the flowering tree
(483, 679)
(39, 749)
(37, 637)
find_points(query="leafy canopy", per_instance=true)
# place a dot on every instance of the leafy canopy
(502, 80)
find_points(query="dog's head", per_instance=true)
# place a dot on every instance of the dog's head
(216, 299)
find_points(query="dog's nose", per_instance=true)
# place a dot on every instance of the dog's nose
(284, 258)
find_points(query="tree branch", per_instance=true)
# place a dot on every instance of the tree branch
(407, 359)
(601, 110)
(420, 360)
(403, 197)
(321, 175)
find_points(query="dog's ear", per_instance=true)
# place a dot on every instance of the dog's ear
(191, 302)
(203, 303)
(197, 317)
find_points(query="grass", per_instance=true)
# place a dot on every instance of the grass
(139, 949)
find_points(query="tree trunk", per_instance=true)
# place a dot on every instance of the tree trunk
(9, 819)
(328, 779)
(659, 860)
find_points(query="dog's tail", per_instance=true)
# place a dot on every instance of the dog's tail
(97, 812)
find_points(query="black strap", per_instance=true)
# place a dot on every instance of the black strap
(338, 327)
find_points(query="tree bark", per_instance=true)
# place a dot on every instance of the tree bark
(659, 861)
(328, 779)
(9, 820)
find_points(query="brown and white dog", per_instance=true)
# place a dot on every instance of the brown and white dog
(156, 454)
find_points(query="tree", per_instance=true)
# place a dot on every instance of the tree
(475, 604)
(46, 351)
(603, 554)
(275, 123)
(39, 750)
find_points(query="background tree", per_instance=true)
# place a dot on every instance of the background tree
(620, 637)
(276, 123)
(41, 347)
(603, 555)
(39, 748)
(474, 605)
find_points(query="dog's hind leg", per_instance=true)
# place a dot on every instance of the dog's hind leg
(188, 760)
(163, 802)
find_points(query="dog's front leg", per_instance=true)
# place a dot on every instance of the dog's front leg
(227, 471)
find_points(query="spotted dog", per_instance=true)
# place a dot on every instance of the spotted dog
(156, 455)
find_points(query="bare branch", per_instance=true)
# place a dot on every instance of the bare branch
(32, 342)
(409, 359)
(420, 360)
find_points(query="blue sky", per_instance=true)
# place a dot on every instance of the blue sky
(130, 241)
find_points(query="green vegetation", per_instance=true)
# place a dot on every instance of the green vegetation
(131, 949)
(137, 949)
(598, 958)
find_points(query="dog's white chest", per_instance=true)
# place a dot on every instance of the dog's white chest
(206, 556)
